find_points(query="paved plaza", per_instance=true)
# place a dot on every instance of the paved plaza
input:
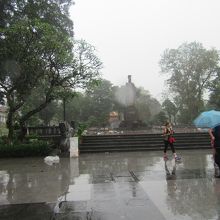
(111, 186)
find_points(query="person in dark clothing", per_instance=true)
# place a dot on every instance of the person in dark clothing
(215, 143)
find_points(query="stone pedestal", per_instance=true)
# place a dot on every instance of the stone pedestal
(74, 146)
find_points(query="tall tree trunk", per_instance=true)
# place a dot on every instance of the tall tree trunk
(10, 126)
(12, 110)
(23, 131)
(64, 109)
(24, 118)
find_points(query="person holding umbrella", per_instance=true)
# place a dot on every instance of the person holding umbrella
(215, 143)
(211, 120)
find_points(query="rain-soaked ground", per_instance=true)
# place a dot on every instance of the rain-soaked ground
(134, 186)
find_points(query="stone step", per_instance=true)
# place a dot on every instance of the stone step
(96, 150)
(144, 139)
(190, 139)
(137, 142)
(155, 145)
(142, 144)
(112, 137)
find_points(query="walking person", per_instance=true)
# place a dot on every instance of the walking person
(169, 141)
(215, 143)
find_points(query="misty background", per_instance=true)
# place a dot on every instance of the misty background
(80, 54)
(130, 36)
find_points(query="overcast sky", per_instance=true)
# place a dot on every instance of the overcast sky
(130, 36)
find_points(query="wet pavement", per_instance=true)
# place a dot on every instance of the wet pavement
(131, 186)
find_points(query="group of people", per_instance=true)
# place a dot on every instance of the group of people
(214, 133)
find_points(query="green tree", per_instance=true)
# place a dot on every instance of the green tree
(53, 12)
(92, 106)
(160, 118)
(87, 63)
(36, 51)
(155, 106)
(142, 105)
(214, 96)
(75, 108)
(29, 35)
(32, 53)
(86, 75)
(48, 113)
(170, 109)
(101, 101)
(190, 68)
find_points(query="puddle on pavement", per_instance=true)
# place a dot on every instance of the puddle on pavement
(93, 187)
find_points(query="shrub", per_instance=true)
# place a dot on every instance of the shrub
(81, 128)
(36, 148)
(3, 140)
(3, 129)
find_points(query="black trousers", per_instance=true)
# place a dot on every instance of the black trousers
(217, 156)
(167, 144)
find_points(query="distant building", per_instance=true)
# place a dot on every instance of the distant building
(3, 114)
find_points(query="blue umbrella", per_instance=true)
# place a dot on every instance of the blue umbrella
(208, 119)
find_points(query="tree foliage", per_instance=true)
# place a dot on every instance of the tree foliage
(53, 12)
(160, 118)
(87, 63)
(86, 75)
(170, 109)
(32, 53)
(214, 96)
(93, 106)
(190, 68)
(146, 105)
(36, 54)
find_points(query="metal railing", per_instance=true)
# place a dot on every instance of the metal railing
(44, 130)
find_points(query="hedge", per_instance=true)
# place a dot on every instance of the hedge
(37, 148)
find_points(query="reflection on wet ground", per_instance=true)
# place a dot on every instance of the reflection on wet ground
(135, 185)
